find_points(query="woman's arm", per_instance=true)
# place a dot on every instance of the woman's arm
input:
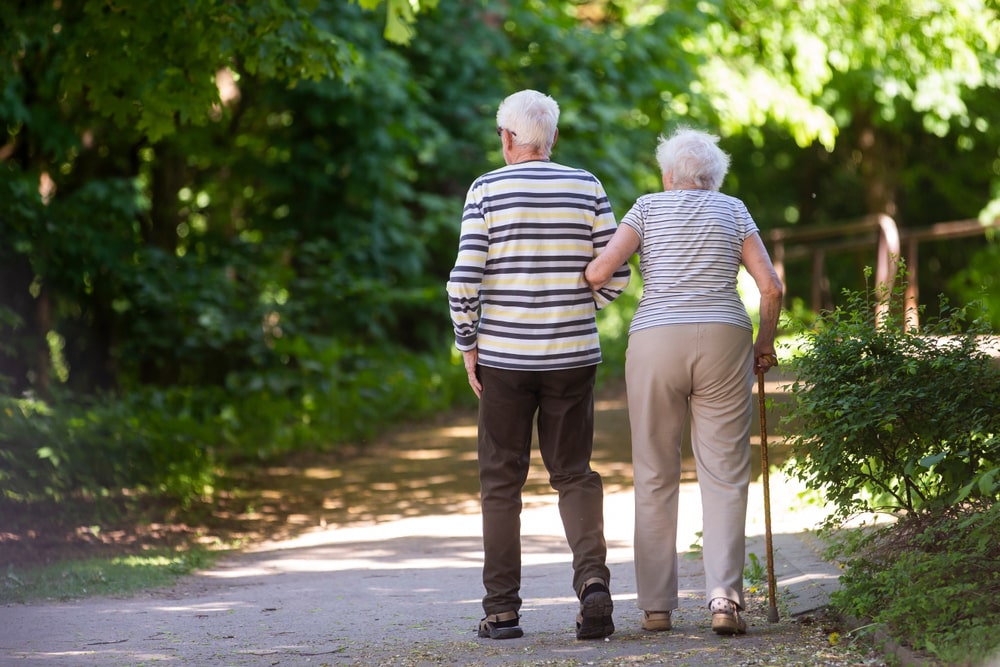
(758, 264)
(619, 249)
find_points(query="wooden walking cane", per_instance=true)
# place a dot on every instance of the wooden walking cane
(772, 607)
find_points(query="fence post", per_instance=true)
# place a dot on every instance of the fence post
(912, 301)
(885, 265)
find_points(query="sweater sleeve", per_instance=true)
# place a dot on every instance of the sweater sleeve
(466, 277)
(604, 229)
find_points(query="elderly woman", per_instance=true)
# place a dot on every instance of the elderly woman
(691, 351)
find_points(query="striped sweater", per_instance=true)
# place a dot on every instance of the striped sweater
(517, 291)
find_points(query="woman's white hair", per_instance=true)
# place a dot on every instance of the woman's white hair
(531, 117)
(693, 157)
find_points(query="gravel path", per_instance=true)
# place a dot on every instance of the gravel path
(389, 574)
(407, 592)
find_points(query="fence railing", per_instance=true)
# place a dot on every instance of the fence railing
(891, 243)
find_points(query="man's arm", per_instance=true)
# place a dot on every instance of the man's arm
(463, 287)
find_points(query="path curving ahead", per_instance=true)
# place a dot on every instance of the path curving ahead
(403, 587)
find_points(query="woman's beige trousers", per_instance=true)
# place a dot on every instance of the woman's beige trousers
(705, 371)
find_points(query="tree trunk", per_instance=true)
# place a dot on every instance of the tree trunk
(43, 357)
(18, 351)
(161, 232)
(167, 180)
(879, 169)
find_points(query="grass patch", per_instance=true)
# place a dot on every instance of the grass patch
(114, 577)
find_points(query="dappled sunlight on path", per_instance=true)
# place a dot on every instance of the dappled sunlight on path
(418, 469)
(376, 560)
(431, 467)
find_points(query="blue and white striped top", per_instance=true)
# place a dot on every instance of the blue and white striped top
(690, 251)
(517, 290)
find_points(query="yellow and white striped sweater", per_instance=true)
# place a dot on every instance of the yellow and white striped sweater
(517, 291)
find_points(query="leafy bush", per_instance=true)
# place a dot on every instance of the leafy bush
(932, 580)
(154, 442)
(331, 392)
(173, 442)
(891, 419)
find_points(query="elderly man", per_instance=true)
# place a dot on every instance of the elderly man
(524, 319)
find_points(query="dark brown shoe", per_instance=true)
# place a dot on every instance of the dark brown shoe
(501, 626)
(596, 607)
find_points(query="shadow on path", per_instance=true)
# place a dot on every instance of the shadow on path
(377, 561)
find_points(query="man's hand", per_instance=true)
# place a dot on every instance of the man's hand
(471, 359)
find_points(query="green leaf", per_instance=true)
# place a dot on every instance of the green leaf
(929, 461)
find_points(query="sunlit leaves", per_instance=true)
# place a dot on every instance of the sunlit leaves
(832, 55)
(153, 65)
(754, 96)
(401, 15)
(889, 419)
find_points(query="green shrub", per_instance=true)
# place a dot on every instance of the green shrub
(932, 581)
(173, 441)
(889, 419)
(332, 394)
(153, 442)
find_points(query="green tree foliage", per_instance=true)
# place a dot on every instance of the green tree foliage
(243, 214)
(242, 302)
(821, 67)
(839, 109)
(91, 92)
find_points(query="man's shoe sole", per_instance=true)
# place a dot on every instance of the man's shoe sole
(595, 618)
(501, 633)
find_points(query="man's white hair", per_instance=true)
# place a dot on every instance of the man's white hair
(532, 117)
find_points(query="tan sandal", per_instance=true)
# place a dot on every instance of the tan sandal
(656, 621)
(729, 621)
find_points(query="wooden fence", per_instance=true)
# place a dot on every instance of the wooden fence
(880, 231)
